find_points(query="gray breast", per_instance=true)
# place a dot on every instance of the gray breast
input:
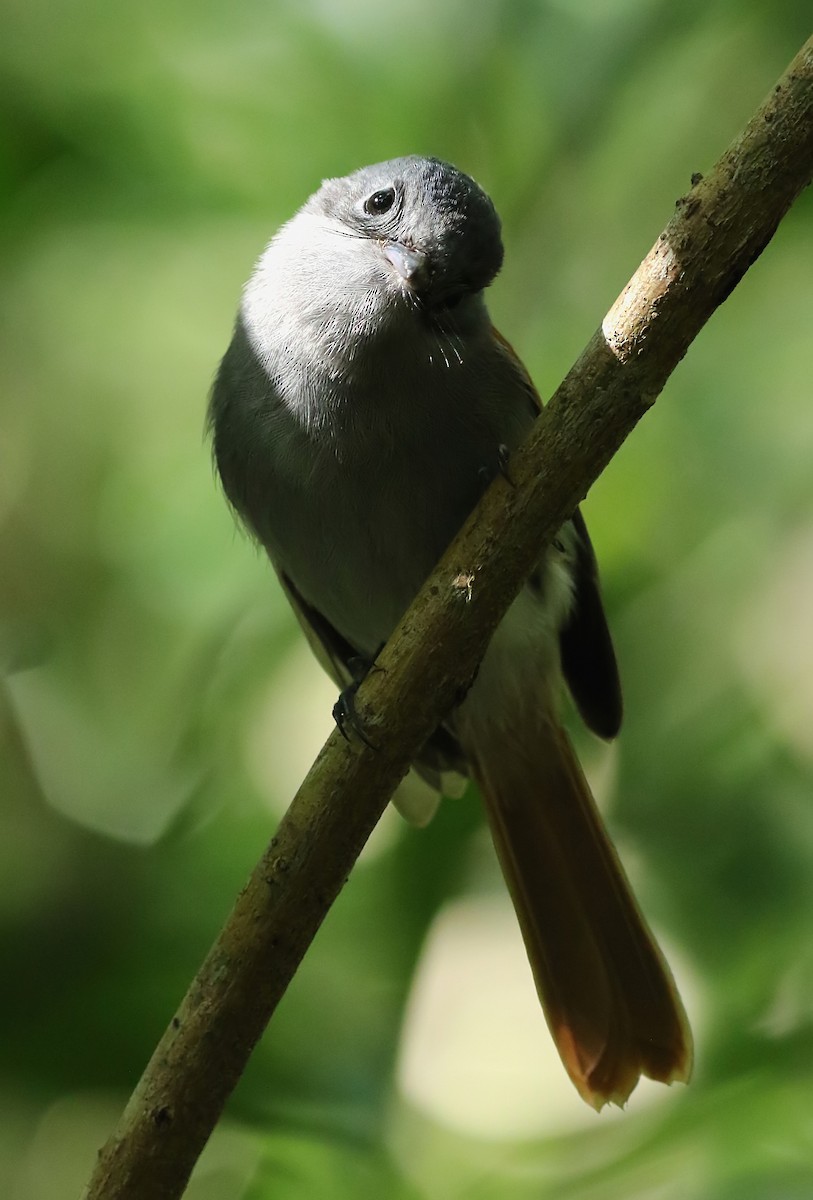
(359, 533)
(356, 499)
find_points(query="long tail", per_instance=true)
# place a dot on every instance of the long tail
(608, 995)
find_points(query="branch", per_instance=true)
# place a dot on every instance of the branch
(719, 228)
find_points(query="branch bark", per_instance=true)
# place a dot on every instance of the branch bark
(719, 228)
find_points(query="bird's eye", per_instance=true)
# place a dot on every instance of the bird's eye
(380, 202)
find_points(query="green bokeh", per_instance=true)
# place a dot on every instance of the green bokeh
(146, 154)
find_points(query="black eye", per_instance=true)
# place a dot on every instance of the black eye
(380, 202)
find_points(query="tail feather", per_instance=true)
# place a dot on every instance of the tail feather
(608, 995)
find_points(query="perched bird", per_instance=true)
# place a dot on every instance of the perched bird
(363, 404)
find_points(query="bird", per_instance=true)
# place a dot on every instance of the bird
(363, 404)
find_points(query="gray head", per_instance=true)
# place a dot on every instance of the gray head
(426, 220)
(365, 274)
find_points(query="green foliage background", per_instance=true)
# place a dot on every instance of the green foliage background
(157, 708)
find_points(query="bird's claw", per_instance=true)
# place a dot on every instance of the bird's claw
(503, 455)
(346, 717)
(344, 710)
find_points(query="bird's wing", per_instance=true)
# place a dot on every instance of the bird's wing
(588, 659)
(333, 652)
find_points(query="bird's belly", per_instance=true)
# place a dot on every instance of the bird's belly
(360, 554)
(360, 517)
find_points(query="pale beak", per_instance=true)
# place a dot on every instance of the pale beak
(411, 265)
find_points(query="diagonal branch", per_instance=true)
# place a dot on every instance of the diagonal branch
(717, 231)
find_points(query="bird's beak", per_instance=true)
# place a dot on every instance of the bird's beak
(411, 265)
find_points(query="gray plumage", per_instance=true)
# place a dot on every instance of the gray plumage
(323, 419)
(359, 412)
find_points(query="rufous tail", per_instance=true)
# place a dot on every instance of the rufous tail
(608, 995)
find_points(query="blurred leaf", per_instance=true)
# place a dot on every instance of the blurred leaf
(296, 1167)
